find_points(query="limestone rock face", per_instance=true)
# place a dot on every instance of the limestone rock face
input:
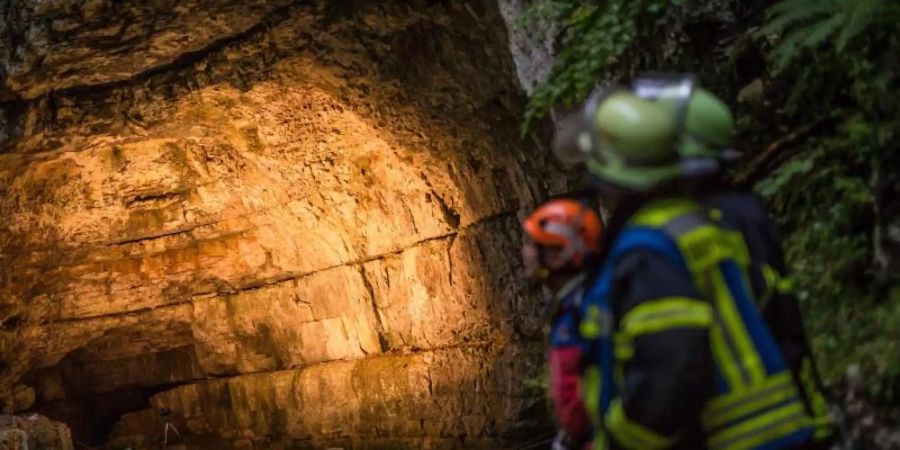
(454, 398)
(532, 35)
(293, 223)
(51, 45)
(34, 431)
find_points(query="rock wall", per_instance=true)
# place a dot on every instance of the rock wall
(34, 431)
(295, 223)
(532, 35)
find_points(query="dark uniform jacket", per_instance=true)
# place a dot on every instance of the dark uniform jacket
(746, 212)
(665, 387)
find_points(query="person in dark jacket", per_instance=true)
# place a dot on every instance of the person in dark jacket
(676, 354)
(562, 237)
(705, 146)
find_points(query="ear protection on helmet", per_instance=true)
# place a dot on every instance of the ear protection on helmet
(677, 88)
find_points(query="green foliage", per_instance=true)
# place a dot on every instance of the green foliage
(540, 382)
(807, 58)
(802, 25)
(595, 34)
(610, 40)
(839, 56)
(832, 49)
(821, 196)
(783, 177)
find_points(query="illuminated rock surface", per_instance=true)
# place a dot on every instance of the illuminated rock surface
(293, 224)
(34, 431)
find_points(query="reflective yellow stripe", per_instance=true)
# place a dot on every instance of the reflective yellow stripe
(701, 248)
(724, 349)
(624, 347)
(822, 426)
(764, 428)
(631, 434)
(785, 285)
(770, 275)
(730, 400)
(591, 327)
(661, 212)
(754, 404)
(749, 362)
(776, 282)
(591, 383)
(590, 392)
(770, 279)
(725, 358)
(654, 316)
(817, 403)
(744, 402)
(739, 252)
(706, 246)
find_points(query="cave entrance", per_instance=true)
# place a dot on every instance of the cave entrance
(94, 386)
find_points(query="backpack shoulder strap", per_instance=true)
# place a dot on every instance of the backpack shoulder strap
(654, 240)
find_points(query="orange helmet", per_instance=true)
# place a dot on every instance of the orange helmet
(568, 224)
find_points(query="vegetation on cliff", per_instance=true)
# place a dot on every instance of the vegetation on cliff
(813, 83)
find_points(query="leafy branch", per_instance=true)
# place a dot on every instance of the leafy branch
(595, 34)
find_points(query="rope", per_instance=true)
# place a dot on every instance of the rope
(537, 441)
(536, 445)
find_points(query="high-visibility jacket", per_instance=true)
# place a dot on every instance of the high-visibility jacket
(679, 355)
(564, 359)
(773, 289)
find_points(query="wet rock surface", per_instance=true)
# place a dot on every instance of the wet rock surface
(292, 218)
(33, 431)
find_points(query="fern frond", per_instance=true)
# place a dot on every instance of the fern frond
(788, 49)
(887, 13)
(816, 34)
(582, 14)
(787, 6)
(787, 18)
(861, 15)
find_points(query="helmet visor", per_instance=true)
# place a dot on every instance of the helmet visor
(673, 88)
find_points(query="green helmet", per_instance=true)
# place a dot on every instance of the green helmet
(708, 127)
(705, 123)
(633, 141)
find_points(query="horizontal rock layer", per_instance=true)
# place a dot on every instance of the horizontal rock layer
(51, 45)
(455, 398)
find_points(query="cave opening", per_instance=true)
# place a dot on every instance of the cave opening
(92, 417)
(294, 225)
